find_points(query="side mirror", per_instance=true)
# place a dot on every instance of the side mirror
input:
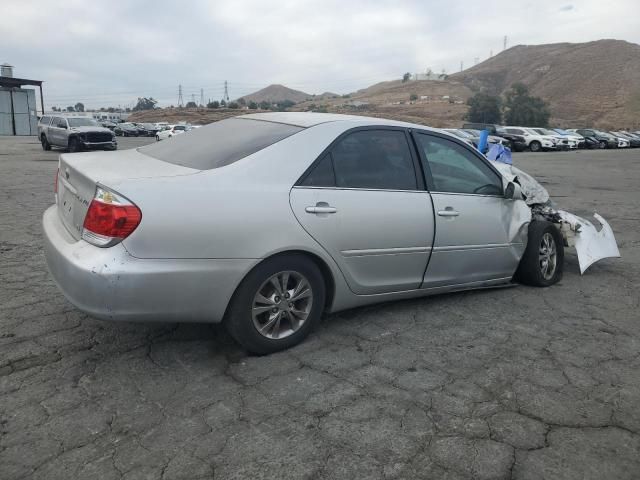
(513, 191)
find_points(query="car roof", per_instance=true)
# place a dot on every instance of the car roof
(310, 119)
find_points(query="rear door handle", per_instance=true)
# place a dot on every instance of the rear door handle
(448, 212)
(320, 209)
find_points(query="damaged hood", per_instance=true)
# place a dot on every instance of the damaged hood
(590, 243)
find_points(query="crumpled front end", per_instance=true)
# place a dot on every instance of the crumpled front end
(590, 243)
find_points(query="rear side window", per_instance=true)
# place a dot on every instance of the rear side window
(220, 143)
(374, 159)
(322, 174)
(45, 120)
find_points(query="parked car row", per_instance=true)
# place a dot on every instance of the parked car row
(536, 139)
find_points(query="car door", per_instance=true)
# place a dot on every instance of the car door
(57, 132)
(365, 204)
(479, 233)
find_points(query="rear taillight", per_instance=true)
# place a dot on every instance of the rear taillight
(110, 219)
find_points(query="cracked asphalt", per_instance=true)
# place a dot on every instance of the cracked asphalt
(519, 383)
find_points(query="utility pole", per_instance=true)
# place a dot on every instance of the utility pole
(201, 97)
(504, 43)
(491, 53)
(193, 98)
(180, 101)
(461, 65)
(226, 92)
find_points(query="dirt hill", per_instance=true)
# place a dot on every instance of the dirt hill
(595, 83)
(277, 93)
(433, 103)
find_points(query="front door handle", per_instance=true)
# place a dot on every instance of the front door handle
(320, 209)
(448, 212)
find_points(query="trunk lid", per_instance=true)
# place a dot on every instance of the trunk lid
(80, 173)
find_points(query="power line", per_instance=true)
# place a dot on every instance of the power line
(226, 92)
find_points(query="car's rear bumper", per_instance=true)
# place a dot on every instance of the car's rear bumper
(109, 283)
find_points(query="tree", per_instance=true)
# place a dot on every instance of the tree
(242, 101)
(214, 104)
(524, 109)
(253, 105)
(79, 107)
(406, 77)
(70, 109)
(264, 105)
(233, 105)
(55, 109)
(145, 103)
(484, 108)
(413, 97)
(192, 105)
(284, 105)
(223, 103)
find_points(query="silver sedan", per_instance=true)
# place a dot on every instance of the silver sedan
(266, 221)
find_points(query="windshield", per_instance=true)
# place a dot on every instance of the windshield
(562, 132)
(220, 143)
(82, 122)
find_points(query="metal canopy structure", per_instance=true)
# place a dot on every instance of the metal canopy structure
(10, 82)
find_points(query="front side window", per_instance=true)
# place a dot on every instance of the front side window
(45, 120)
(374, 159)
(515, 131)
(454, 169)
(60, 122)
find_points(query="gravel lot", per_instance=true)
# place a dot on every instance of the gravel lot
(518, 383)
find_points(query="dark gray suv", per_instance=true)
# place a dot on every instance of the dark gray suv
(75, 134)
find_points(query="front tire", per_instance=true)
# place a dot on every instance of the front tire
(542, 264)
(45, 143)
(74, 145)
(535, 146)
(277, 304)
(602, 145)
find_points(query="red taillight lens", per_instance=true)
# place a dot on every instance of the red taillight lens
(111, 220)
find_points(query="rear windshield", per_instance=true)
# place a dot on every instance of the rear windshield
(220, 143)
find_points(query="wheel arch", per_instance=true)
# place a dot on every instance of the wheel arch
(325, 270)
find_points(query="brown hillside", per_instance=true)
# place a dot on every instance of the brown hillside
(438, 104)
(277, 93)
(595, 83)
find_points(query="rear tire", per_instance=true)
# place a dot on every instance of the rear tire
(542, 264)
(535, 146)
(261, 316)
(45, 143)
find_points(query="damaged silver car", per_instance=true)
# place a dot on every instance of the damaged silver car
(265, 221)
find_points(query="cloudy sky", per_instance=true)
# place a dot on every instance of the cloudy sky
(109, 53)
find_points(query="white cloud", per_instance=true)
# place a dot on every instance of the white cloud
(106, 53)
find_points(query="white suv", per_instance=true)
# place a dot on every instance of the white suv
(534, 140)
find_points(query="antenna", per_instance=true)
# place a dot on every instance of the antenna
(201, 97)
(461, 65)
(225, 97)
(180, 101)
(504, 43)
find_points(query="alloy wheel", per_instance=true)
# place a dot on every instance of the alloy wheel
(548, 256)
(282, 305)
